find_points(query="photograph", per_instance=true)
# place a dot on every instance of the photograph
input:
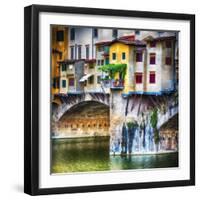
(114, 99)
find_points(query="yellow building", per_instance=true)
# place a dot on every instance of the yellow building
(59, 49)
(124, 51)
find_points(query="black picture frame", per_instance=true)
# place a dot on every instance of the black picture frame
(31, 98)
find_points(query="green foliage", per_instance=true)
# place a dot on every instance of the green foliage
(112, 69)
(156, 136)
(154, 118)
(154, 121)
(131, 125)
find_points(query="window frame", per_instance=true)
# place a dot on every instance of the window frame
(140, 74)
(59, 36)
(152, 44)
(69, 81)
(114, 56)
(151, 62)
(72, 52)
(79, 51)
(87, 51)
(139, 57)
(72, 34)
(64, 83)
(152, 78)
(123, 55)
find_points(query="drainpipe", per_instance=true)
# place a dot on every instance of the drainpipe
(75, 46)
(145, 70)
(92, 42)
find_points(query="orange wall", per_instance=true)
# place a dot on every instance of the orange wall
(55, 57)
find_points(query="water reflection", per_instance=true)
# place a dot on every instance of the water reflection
(92, 154)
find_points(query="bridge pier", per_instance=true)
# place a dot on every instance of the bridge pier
(126, 120)
(130, 123)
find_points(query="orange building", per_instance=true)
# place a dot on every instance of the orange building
(59, 49)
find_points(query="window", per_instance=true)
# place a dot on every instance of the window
(160, 33)
(168, 44)
(71, 81)
(139, 57)
(95, 33)
(168, 61)
(102, 62)
(98, 79)
(152, 77)
(57, 83)
(54, 83)
(98, 62)
(72, 52)
(72, 34)
(152, 58)
(63, 83)
(107, 61)
(64, 67)
(114, 33)
(91, 65)
(137, 32)
(79, 51)
(114, 56)
(60, 36)
(123, 56)
(100, 48)
(91, 80)
(87, 51)
(138, 78)
(153, 43)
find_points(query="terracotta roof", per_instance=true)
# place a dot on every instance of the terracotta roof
(70, 61)
(134, 43)
(90, 60)
(102, 43)
(128, 37)
(148, 38)
(165, 38)
(161, 38)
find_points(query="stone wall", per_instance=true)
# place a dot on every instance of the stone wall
(84, 120)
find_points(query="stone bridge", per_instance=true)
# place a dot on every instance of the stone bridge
(68, 101)
(116, 111)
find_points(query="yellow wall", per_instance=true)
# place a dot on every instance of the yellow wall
(119, 48)
(60, 46)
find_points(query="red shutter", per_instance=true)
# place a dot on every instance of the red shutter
(152, 58)
(71, 81)
(138, 78)
(152, 77)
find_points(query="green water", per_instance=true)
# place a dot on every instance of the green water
(92, 154)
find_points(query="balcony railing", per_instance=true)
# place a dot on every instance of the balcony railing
(113, 84)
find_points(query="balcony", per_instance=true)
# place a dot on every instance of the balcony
(105, 52)
(116, 84)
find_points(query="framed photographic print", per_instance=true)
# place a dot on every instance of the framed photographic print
(109, 100)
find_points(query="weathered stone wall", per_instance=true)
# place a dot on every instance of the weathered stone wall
(84, 120)
(79, 72)
(137, 109)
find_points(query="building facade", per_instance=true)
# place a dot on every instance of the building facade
(150, 58)
(59, 49)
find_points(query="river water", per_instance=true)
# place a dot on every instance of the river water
(92, 154)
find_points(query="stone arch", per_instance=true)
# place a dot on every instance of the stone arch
(69, 101)
(85, 118)
(81, 103)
